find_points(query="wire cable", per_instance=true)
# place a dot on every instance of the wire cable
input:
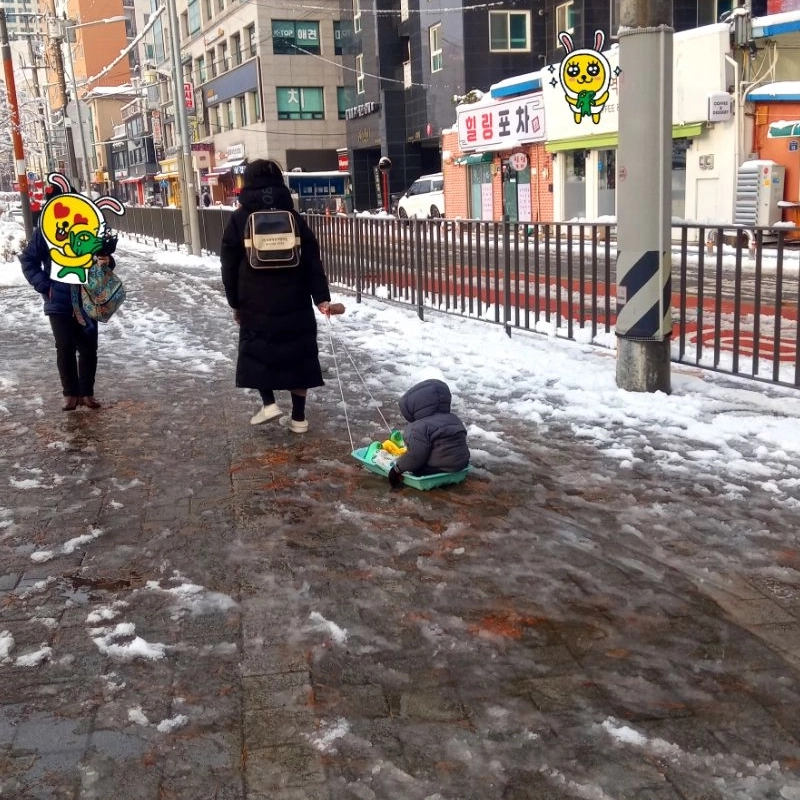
(375, 403)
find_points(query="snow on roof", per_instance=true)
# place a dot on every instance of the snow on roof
(780, 90)
(773, 24)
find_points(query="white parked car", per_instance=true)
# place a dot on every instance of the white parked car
(423, 199)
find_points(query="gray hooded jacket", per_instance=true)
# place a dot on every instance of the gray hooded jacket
(436, 438)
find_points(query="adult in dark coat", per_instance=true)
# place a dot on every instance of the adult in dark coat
(436, 439)
(274, 307)
(74, 332)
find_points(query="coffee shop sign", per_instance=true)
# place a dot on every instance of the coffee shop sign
(362, 110)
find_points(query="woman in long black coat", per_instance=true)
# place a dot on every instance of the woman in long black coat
(274, 307)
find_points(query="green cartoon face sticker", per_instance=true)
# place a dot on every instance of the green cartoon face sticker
(84, 243)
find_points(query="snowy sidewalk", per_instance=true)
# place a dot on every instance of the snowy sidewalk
(608, 608)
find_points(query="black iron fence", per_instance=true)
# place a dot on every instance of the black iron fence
(735, 293)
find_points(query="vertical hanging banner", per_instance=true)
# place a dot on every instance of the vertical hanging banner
(188, 96)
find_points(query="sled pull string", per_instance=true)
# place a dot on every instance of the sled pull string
(339, 379)
(375, 403)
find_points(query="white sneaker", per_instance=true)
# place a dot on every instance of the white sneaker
(298, 426)
(266, 414)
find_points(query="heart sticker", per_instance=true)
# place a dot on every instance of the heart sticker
(80, 220)
(60, 210)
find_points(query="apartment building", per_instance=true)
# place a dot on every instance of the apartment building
(259, 81)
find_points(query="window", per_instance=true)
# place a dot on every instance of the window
(300, 102)
(565, 18)
(613, 24)
(435, 37)
(236, 48)
(337, 38)
(250, 38)
(212, 65)
(193, 15)
(255, 105)
(509, 31)
(209, 10)
(223, 57)
(342, 101)
(229, 110)
(294, 38)
(221, 5)
(360, 74)
(200, 69)
(242, 100)
(711, 11)
(356, 15)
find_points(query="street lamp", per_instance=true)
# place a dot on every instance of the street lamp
(70, 63)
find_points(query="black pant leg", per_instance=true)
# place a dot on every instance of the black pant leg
(87, 359)
(66, 350)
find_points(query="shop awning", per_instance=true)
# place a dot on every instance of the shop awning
(607, 141)
(784, 129)
(226, 166)
(165, 176)
(133, 180)
(474, 158)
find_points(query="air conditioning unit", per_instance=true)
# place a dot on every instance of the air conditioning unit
(759, 189)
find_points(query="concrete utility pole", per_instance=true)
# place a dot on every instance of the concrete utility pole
(644, 158)
(16, 136)
(37, 93)
(56, 36)
(189, 213)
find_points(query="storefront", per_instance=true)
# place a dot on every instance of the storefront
(168, 183)
(776, 137)
(496, 160)
(224, 180)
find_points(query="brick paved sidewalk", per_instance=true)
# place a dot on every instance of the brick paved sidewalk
(305, 633)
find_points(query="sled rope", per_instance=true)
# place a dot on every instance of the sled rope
(341, 387)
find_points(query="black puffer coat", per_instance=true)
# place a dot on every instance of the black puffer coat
(278, 326)
(436, 438)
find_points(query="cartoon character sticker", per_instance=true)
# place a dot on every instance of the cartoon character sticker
(585, 76)
(73, 227)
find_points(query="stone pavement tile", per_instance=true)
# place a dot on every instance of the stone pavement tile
(782, 636)
(315, 792)
(102, 776)
(8, 581)
(363, 702)
(760, 745)
(48, 733)
(270, 727)
(295, 765)
(287, 691)
(761, 611)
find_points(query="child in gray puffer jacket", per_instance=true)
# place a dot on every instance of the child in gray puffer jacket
(436, 439)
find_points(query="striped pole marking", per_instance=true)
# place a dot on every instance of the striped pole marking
(644, 291)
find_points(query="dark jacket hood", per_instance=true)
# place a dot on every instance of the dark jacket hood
(429, 397)
(266, 194)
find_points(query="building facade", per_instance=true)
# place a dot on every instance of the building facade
(258, 82)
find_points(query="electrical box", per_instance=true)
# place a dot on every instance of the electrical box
(759, 189)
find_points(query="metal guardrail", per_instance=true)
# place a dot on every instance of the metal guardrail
(735, 293)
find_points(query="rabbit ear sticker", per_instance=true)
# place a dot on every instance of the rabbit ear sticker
(585, 75)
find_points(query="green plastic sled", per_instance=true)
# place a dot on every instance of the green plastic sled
(424, 482)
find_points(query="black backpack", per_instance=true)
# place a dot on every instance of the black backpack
(272, 240)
